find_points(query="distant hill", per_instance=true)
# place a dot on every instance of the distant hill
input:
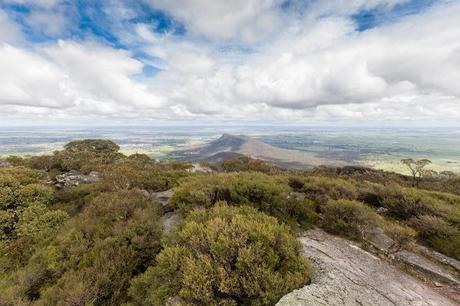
(230, 146)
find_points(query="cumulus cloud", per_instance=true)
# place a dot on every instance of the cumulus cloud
(242, 60)
(416, 59)
(81, 78)
(237, 19)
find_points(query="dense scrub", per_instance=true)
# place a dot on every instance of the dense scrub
(269, 194)
(225, 256)
(94, 256)
(341, 205)
(102, 243)
(245, 163)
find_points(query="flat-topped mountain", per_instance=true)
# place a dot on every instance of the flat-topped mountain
(234, 145)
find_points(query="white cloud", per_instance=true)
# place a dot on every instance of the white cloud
(237, 19)
(331, 64)
(81, 78)
(245, 60)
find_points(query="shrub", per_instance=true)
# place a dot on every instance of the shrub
(245, 163)
(296, 183)
(139, 171)
(401, 234)
(438, 234)
(92, 145)
(405, 204)
(269, 194)
(349, 218)
(26, 222)
(321, 189)
(226, 256)
(94, 256)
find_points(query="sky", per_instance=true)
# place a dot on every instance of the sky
(218, 61)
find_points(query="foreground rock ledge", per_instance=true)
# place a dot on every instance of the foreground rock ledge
(348, 275)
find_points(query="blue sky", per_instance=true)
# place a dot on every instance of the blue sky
(272, 60)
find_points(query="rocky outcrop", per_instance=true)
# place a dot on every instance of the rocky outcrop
(163, 198)
(441, 258)
(423, 260)
(347, 275)
(75, 178)
(5, 164)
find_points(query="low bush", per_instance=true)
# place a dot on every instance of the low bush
(438, 234)
(245, 163)
(93, 257)
(405, 205)
(321, 189)
(269, 194)
(348, 218)
(402, 235)
(225, 256)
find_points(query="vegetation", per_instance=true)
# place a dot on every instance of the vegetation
(417, 168)
(225, 256)
(245, 163)
(102, 243)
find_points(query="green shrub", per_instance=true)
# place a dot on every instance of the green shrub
(296, 182)
(26, 221)
(405, 204)
(401, 234)
(349, 218)
(320, 189)
(438, 234)
(269, 194)
(245, 163)
(94, 256)
(226, 256)
(139, 171)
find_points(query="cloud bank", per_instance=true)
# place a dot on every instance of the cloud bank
(288, 61)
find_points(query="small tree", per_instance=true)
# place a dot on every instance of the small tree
(417, 168)
(447, 174)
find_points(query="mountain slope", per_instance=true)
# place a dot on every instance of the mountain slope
(244, 145)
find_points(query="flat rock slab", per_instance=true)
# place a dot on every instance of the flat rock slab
(347, 275)
(424, 265)
(440, 257)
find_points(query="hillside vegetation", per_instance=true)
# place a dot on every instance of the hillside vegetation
(103, 242)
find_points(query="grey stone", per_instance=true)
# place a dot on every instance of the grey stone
(169, 221)
(5, 164)
(439, 257)
(426, 266)
(347, 275)
(75, 178)
(163, 197)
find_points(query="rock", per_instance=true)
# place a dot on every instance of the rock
(5, 164)
(199, 168)
(163, 197)
(75, 178)
(426, 266)
(380, 241)
(431, 268)
(169, 221)
(296, 195)
(439, 257)
(382, 210)
(347, 275)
